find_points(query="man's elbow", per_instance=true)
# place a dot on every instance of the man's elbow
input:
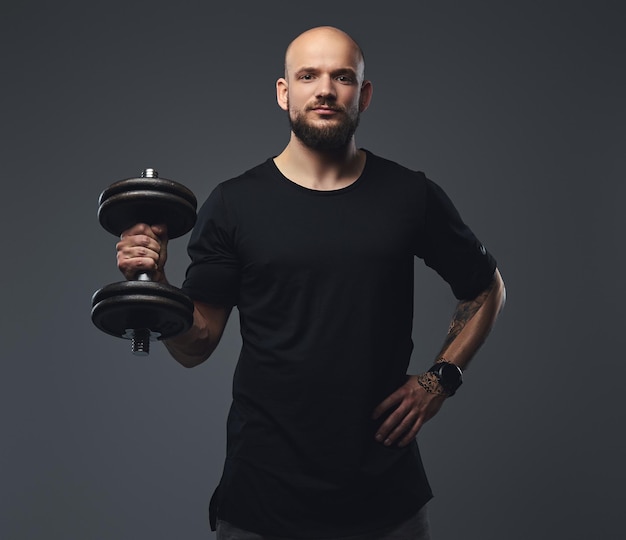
(498, 290)
(188, 359)
(189, 362)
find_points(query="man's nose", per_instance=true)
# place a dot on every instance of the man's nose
(325, 87)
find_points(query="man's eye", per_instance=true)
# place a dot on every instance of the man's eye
(344, 79)
(306, 77)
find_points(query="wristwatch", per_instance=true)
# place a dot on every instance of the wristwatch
(449, 375)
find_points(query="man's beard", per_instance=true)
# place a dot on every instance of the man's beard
(329, 137)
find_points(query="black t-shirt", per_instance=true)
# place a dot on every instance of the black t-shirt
(323, 282)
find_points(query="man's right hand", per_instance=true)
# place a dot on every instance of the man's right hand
(143, 248)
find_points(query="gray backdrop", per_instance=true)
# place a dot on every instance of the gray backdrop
(515, 108)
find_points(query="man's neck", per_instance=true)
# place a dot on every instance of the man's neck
(320, 170)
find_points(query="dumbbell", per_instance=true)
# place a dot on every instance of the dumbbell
(140, 309)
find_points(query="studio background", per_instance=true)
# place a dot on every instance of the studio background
(515, 108)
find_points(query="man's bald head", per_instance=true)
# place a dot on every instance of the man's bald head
(315, 40)
(324, 90)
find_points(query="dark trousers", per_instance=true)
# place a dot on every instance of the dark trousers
(415, 528)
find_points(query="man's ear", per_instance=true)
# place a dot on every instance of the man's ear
(282, 94)
(366, 95)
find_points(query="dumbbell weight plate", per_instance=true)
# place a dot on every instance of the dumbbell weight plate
(147, 200)
(128, 305)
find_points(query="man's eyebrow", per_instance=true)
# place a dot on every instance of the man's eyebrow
(345, 71)
(306, 69)
(340, 71)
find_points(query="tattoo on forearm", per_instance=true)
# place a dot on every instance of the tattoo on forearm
(465, 310)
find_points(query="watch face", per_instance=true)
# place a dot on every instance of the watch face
(450, 372)
(450, 377)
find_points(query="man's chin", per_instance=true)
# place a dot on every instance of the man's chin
(333, 133)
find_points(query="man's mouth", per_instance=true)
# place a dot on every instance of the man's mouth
(324, 109)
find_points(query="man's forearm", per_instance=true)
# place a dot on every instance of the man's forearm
(196, 345)
(189, 349)
(471, 323)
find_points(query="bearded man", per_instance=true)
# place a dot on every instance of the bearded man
(316, 249)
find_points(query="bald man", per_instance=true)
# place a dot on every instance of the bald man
(316, 249)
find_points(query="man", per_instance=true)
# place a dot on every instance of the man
(316, 248)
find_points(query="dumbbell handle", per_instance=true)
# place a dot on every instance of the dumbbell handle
(140, 338)
(147, 173)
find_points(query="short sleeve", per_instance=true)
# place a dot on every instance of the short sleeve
(213, 275)
(451, 248)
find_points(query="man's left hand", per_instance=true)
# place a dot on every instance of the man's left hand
(412, 407)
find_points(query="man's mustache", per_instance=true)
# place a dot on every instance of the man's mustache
(326, 105)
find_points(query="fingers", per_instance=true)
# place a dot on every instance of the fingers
(157, 232)
(142, 248)
(411, 407)
(392, 400)
(402, 422)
